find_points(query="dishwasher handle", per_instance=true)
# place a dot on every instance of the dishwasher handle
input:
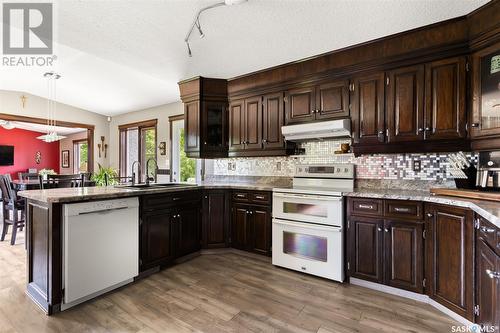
(103, 211)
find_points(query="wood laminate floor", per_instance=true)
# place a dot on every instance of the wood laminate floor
(224, 292)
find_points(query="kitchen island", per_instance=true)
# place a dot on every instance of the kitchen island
(169, 220)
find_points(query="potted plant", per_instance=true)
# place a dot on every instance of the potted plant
(45, 172)
(104, 174)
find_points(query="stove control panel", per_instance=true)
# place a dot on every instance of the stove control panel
(340, 170)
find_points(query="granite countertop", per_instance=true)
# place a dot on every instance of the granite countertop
(489, 210)
(68, 195)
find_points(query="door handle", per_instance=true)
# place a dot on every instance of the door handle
(487, 230)
(492, 274)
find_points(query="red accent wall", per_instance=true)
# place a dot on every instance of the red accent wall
(25, 147)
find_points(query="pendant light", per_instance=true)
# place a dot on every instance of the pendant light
(51, 135)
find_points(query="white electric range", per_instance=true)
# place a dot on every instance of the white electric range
(308, 220)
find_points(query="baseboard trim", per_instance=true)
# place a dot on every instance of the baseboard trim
(410, 295)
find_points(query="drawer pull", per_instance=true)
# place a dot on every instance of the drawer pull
(493, 275)
(366, 206)
(401, 210)
(240, 195)
(487, 230)
(176, 199)
(260, 197)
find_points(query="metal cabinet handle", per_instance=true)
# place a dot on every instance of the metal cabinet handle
(487, 230)
(474, 125)
(428, 129)
(206, 196)
(381, 132)
(176, 199)
(492, 274)
(366, 206)
(264, 141)
(430, 215)
(259, 197)
(421, 129)
(240, 195)
(402, 210)
(379, 229)
(387, 230)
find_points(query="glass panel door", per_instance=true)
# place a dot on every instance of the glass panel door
(183, 168)
(305, 246)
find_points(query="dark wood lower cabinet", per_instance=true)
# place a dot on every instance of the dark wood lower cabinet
(366, 239)
(215, 223)
(251, 228)
(404, 257)
(156, 238)
(450, 257)
(187, 229)
(487, 285)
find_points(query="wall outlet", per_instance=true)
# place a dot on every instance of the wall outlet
(417, 166)
(278, 166)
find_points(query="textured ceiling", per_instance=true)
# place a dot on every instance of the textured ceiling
(120, 56)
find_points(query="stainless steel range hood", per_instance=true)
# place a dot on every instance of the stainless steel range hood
(318, 130)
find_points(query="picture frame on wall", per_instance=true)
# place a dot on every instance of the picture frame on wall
(65, 159)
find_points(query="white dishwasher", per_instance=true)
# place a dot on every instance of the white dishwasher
(100, 247)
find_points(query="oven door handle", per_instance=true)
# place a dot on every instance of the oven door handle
(307, 225)
(304, 196)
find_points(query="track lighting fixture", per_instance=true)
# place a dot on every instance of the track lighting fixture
(196, 22)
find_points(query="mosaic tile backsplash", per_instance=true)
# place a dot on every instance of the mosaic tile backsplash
(433, 166)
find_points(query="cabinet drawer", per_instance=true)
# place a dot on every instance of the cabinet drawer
(490, 234)
(366, 206)
(153, 202)
(403, 208)
(261, 197)
(241, 196)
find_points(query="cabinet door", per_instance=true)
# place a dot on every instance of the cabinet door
(214, 126)
(236, 125)
(272, 120)
(253, 123)
(214, 226)
(192, 126)
(485, 94)
(487, 285)
(405, 104)
(404, 255)
(157, 238)
(450, 257)
(445, 89)
(260, 230)
(366, 236)
(368, 109)
(239, 226)
(188, 230)
(300, 105)
(332, 100)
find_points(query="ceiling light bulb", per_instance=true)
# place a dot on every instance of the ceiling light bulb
(189, 50)
(234, 2)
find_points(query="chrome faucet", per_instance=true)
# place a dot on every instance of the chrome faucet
(148, 179)
(133, 173)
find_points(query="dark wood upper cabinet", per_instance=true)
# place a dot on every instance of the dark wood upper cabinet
(253, 123)
(273, 118)
(487, 285)
(485, 117)
(332, 100)
(366, 237)
(450, 257)
(300, 105)
(215, 222)
(236, 125)
(445, 110)
(405, 104)
(367, 100)
(404, 257)
(205, 117)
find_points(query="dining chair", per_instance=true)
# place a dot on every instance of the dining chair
(62, 181)
(13, 210)
(26, 176)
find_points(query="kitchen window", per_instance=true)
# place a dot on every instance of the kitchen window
(183, 168)
(80, 156)
(137, 143)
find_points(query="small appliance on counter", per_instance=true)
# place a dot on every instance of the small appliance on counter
(488, 175)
